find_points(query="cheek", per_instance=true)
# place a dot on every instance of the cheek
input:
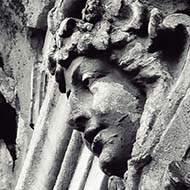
(112, 97)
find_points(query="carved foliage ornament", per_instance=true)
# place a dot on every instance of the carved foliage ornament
(108, 26)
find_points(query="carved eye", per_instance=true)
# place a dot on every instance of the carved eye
(87, 80)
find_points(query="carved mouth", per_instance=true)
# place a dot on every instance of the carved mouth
(93, 139)
(97, 145)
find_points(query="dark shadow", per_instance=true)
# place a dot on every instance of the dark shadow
(1, 61)
(8, 126)
(170, 42)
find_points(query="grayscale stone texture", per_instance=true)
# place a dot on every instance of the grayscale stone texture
(148, 42)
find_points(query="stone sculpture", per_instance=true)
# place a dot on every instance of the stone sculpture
(121, 65)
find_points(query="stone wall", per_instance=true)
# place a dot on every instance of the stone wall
(21, 43)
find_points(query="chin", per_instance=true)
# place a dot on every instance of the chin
(113, 164)
(113, 147)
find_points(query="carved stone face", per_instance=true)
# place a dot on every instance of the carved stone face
(147, 40)
(106, 108)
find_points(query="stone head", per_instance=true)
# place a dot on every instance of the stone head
(109, 63)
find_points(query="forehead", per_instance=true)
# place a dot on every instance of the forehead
(85, 64)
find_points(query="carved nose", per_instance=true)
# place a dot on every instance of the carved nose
(79, 123)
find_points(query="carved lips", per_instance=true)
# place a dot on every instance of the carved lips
(90, 132)
(92, 138)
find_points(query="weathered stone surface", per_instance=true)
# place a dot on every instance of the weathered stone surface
(93, 11)
(11, 148)
(101, 39)
(115, 183)
(36, 13)
(172, 147)
(129, 95)
(20, 50)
